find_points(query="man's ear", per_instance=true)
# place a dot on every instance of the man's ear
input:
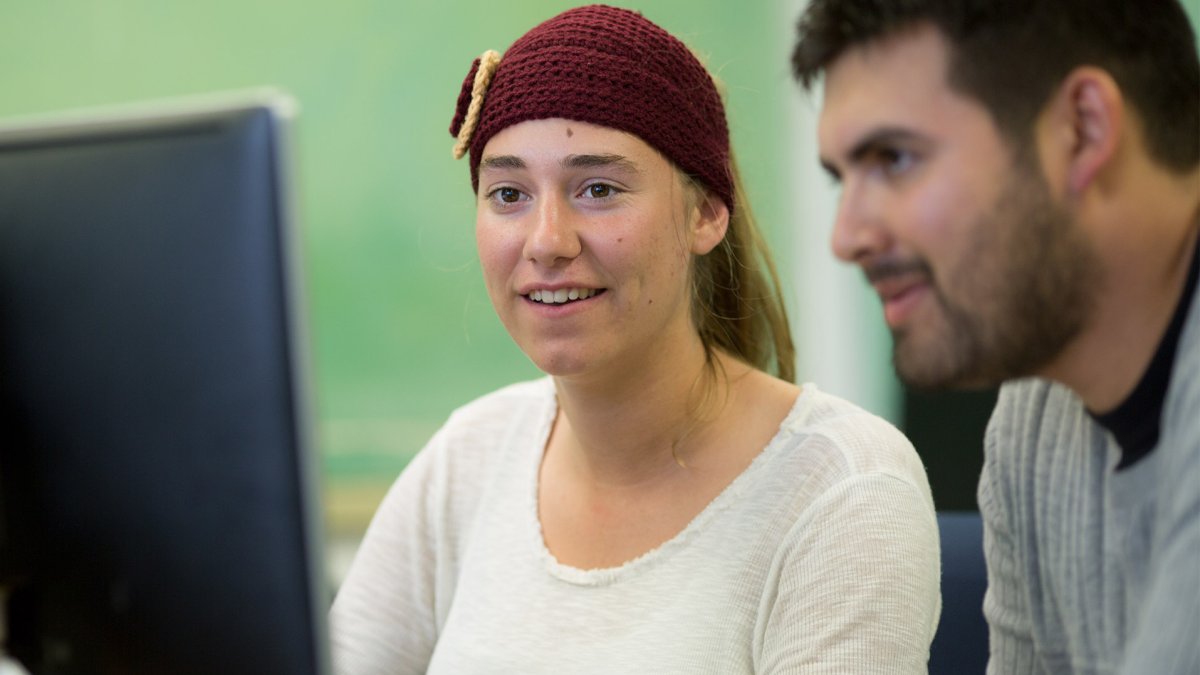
(1087, 115)
(710, 223)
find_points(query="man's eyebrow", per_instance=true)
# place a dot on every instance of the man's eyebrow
(881, 138)
(870, 144)
(602, 160)
(501, 162)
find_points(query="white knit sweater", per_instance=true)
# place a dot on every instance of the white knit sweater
(822, 557)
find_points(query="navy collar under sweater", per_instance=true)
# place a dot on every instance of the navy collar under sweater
(1135, 423)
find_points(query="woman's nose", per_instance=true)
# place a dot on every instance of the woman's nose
(553, 236)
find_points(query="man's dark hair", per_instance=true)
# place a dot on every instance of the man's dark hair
(1011, 54)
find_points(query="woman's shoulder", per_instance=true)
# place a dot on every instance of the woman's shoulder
(483, 441)
(846, 440)
(509, 419)
(501, 405)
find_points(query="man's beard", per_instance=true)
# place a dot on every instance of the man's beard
(1021, 291)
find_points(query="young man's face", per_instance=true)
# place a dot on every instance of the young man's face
(982, 274)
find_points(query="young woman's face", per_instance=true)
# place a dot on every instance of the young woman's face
(585, 235)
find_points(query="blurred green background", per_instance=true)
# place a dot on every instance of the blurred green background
(402, 330)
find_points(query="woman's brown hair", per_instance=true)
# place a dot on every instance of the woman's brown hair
(737, 300)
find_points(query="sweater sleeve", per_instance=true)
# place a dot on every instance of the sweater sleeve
(383, 619)
(1006, 604)
(858, 586)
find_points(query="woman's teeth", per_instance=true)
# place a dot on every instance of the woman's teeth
(562, 295)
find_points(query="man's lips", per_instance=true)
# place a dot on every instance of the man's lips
(891, 287)
(900, 298)
(900, 287)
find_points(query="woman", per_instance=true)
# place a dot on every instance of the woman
(659, 503)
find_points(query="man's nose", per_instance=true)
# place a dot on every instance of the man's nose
(859, 230)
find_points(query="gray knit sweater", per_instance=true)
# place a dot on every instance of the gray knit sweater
(1093, 570)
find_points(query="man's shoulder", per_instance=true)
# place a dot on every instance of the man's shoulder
(1032, 407)
(1035, 426)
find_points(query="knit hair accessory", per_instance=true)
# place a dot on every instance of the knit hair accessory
(606, 66)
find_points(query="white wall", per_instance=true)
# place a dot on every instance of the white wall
(842, 342)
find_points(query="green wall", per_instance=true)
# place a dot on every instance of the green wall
(402, 328)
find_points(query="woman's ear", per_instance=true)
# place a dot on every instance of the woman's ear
(1088, 115)
(710, 223)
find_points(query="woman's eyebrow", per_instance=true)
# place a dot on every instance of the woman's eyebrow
(619, 162)
(501, 162)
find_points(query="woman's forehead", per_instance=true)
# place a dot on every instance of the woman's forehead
(559, 140)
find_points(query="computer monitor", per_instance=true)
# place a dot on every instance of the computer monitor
(158, 511)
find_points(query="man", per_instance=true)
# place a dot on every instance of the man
(1021, 185)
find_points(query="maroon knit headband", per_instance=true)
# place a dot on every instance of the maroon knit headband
(614, 68)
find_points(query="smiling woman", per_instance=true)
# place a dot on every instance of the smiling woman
(597, 213)
(660, 502)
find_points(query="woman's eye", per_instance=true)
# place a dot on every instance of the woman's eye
(599, 191)
(505, 195)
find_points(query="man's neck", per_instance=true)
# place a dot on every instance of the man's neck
(1144, 278)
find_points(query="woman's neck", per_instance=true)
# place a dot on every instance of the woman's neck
(626, 428)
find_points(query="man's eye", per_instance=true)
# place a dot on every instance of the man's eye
(896, 161)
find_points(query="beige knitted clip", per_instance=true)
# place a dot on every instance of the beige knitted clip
(488, 62)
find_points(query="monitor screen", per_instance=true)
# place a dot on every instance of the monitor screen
(157, 503)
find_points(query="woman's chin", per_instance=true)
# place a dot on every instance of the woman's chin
(565, 364)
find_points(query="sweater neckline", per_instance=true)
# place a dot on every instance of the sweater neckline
(638, 565)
